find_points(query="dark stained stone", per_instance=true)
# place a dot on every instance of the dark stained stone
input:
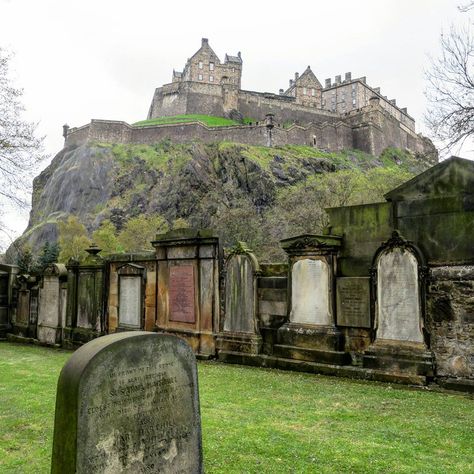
(128, 402)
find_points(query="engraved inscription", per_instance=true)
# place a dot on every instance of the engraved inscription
(139, 413)
(353, 301)
(181, 294)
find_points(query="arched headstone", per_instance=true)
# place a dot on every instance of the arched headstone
(398, 296)
(239, 331)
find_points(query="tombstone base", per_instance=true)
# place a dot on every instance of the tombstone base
(76, 337)
(322, 344)
(239, 342)
(399, 357)
(25, 331)
(202, 343)
(50, 335)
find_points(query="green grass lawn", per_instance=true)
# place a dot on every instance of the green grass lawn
(264, 421)
(208, 120)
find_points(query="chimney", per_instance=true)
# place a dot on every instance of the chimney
(291, 82)
(65, 130)
(204, 41)
(338, 80)
(347, 76)
(239, 55)
(363, 79)
(297, 75)
(328, 82)
(281, 91)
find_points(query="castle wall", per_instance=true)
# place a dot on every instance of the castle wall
(255, 105)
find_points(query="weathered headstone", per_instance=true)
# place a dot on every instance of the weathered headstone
(130, 303)
(310, 292)
(398, 296)
(128, 402)
(353, 301)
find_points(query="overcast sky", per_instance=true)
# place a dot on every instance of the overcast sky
(103, 58)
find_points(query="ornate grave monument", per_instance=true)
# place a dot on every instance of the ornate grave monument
(311, 333)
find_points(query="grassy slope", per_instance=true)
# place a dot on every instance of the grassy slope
(208, 120)
(263, 421)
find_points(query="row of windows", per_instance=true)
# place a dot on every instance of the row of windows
(211, 66)
(211, 78)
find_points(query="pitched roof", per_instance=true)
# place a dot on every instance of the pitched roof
(451, 177)
(207, 49)
(233, 59)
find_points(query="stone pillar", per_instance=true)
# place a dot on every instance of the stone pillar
(310, 333)
(7, 278)
(188, 287)
(239, 328)
(52, 304)
(85, 302)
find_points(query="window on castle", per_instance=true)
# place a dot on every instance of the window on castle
(200, 77)
(304, 90)
(353, 102)
(200, 64)
(211, 66)
(211, 78)
(313, 92)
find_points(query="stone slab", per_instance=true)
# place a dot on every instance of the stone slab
(130, 301)
(181, 294)
(310, 293)
(398, 297)
(128, 402)
(353, 302)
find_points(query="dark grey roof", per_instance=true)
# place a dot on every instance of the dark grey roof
(233, 59)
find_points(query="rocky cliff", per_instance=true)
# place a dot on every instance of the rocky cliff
(189, 181)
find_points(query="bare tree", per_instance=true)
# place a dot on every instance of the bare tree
(450, 90)
(20, 149)
(466, 7)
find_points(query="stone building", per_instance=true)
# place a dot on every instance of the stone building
(344, 114)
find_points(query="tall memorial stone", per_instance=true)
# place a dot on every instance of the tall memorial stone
(401, 343)
(188, 287)
(25, 315)
(128, 402)
(311, 333)
(52, 304)
(240, 332)
(85, 301)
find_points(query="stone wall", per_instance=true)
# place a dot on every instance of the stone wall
(450, 319)
(332, 136)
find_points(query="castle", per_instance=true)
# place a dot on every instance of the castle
(344, 114)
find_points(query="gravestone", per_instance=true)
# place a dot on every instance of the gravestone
(353, 302)
(310, 293)
(131, 279)
(311, 333)
(398, 296)
(128, 402)
(187, 290)
(52, 303)
(240, 332)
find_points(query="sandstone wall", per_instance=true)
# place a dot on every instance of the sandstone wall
(450, 319)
